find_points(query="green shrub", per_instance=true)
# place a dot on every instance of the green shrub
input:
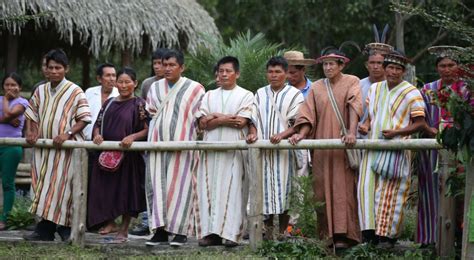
(20, 216)
(302, 203)
(298, 248)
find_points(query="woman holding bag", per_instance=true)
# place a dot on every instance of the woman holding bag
(118, 177)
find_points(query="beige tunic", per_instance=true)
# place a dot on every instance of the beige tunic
(334, 183)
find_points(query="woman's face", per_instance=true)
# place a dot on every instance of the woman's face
(11, 88)
(126, 86)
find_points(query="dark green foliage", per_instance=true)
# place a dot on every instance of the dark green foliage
(253, 53)
(20, 216)
(296, 249)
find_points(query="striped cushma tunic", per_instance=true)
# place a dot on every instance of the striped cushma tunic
(55, 111)
(220, 175)
(169, 177)
(279, 166)
(428, 179)
(382, 208)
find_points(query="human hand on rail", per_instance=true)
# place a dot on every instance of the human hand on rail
(363, 129)
(127, 141)
(251, 138)
(431, 132)
(59, 139)
(294, 139)
(349, 139)
(98, 139)
(31, 137)
(274, 139)
(389, 133)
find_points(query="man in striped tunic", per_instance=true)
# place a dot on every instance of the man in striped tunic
(274, 113)
(173, 103)
(224, 116)
(396, 110)
(58, 110)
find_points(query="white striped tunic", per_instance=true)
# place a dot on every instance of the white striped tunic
(169, 177)
(220, 175)
(279, 166)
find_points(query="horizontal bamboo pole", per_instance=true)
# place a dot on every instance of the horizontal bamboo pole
(411, 144)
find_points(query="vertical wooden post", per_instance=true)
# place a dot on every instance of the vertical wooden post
(79, 200)
(468, 247)
(447, 217)
(255, 218)
(12, 53)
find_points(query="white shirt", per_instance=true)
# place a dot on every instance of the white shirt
(94, 98)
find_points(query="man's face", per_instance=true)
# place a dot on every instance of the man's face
(172, 69)
(158, 68)
(276, 76)
(227, 75)
(447, 69)
(295, 75)
(332, 68)
(44, 68)
(374, 66)
(108, 78)
(56, 71)
(394, 73)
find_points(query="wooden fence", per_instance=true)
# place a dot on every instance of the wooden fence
(255, 215)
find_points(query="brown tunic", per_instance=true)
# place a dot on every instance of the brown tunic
(333, 181)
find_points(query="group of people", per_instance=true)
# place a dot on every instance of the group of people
(204, 193)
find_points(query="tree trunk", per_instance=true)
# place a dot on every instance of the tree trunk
(12, 54)
(126, 58)
(399, 32)
(86, 68)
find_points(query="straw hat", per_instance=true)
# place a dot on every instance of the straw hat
(332, 56)
(297, 58)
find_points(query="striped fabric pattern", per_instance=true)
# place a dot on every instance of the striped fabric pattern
(279, 166)
(55, 111)
(382, 200)
(169, 176)
(220, 176)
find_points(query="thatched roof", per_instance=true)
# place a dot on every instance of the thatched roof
(102, 24)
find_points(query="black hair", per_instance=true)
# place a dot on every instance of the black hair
(215, 69)
(158, 54)
(278, 61)
(129, 71)
(15, 77)
(229, 59)
(174, 54)
(100, 69)
(439, 59)
(58, 56)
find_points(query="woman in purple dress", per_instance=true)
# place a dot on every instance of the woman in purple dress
(121, 192)
(12, 107)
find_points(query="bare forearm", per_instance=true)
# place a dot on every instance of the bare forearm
(416, 126)
(353, 121)
(141, 135)
(288, 132)
(304, 130)
(77, 127)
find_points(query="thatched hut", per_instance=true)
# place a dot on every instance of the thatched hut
(86, 28)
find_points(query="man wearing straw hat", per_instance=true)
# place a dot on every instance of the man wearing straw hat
(297, 71)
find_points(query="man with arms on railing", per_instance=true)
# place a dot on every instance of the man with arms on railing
(334, 182)
(173, 103)
(274, 112)
(224, 116)
(396, 110)
(58, 110)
